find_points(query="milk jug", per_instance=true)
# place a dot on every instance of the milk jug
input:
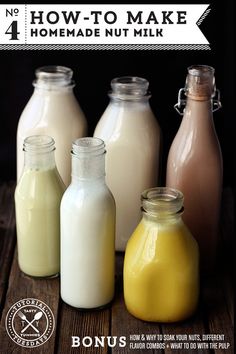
(52, 110)
(161, 265)
(132, 136)
(87, 230)
(195, 162)
(37, 200)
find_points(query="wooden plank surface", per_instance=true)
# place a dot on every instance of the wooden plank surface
(82, 324)
(22, 287)
(214, 316)
(184, 332)
(216, 309)
(7, 236)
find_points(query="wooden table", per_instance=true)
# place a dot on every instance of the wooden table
(214, 315)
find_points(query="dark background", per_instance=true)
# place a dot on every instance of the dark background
(93, 71)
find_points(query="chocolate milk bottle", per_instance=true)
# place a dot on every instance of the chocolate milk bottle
(194, 163)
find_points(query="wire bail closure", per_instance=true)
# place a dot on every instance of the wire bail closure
(216, 103)
(180, 105)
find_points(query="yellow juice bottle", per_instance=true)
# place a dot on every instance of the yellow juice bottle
(161, 266)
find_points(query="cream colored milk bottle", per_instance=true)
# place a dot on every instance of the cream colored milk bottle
(37, 200)
(195, 163)
(52, 110)
(132, 136)
(87, 230)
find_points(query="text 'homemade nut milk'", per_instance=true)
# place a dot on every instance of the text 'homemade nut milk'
(52, 110)
(132, 136)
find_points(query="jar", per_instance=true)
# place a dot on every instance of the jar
(37, 203)
(194, 163)
(161, 275)
(88, 230)
(52, 110)
(132, 136)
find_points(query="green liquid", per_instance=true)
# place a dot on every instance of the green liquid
(37, 200)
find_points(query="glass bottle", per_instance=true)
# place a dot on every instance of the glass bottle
(195, 162)
(87, 230)
(52, 110)
(37, 202)
(132, 136)
(161, 275)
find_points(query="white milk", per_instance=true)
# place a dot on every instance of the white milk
(52, 110)
(87, 231)
(132, 137)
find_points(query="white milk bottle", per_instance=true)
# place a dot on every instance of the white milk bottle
(194, 163)
(87, 230)
(37, 200)
(132, 136)
(52, 110)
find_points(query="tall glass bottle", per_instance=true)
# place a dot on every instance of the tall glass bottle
(195, 162)
(161, 266)
(37, 200)
(132, 136)
(52, 110)
(87, 230)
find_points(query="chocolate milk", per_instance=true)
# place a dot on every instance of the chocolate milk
(194, 163)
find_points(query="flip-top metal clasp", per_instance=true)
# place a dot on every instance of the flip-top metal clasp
(216, 103)
(180, 105)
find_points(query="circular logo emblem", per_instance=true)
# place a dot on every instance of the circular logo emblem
(30, 323)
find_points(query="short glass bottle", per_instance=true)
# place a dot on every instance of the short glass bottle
(161, 275)
(88, 230)
(132, 136)
(37, 202)
(52, 110)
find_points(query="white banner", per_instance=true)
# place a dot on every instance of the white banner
(102, 26)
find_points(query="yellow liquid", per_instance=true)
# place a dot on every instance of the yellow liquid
(161, 272)
(37, 200)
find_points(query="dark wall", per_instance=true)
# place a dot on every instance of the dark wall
(93, 71)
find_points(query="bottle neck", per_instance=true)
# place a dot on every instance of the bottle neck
(44, 161)
(88, 159)
(163, 218)
(162, 204)
(129, 100)
(39, 152)
(200, 111)
(53, 78)
(129, 89)
(200, 88)
(199, 104)
(88, 168)
(52, 89)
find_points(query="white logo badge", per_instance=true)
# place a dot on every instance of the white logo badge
(30, 323)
